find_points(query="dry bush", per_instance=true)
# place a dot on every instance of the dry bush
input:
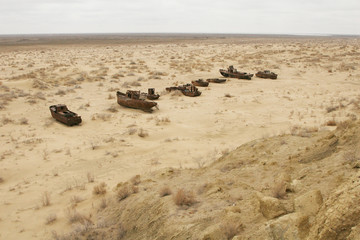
(132, 131)
(90, 177)
(45, 199)
(162, 121)
(227, 95)
(74, 200)
(165, 191)
(142, 133)
(23, 121)
(74, 216)
(50, 219)
(111, 96)
(303, 131)
(102, 116)
(113, 108)
(279, 189)
(184, 198)
(1, 180)
(135, 180)
(6, 120)
(60, 92)
(123, 192)
(100, 189)
(231, 229)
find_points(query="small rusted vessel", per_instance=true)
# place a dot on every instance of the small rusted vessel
(132, 99)
(231, 72)
(151, 95)
(187, 89)
(200, 83)
(266, 74)
(191, 91)
(62, 114)
(216, 80)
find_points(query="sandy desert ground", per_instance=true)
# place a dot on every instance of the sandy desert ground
(47, 169)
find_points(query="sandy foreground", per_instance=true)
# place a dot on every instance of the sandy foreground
(43, 162)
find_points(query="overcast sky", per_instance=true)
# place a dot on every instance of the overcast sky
(180, 16)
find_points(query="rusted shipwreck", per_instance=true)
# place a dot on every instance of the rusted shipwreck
(216, 80)
(133, 99)
(266, 74)
(187, 89)
(232, 72)
(62, 114)
(200, 83)
(151, 95)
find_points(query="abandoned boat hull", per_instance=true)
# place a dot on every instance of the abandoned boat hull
(141, 104)
(216, 80)
(67, 117)
(269, 75)
(240, 75)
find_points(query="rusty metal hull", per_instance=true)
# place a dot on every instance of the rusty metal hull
(200, 83)
(216, 80)
(240, 75)
(63, 115)
(125, 101)
(263, 74)
(191, 94)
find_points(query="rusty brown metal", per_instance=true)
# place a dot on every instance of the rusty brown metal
(61, 113)
(231, 72)
(151, 95)
(200, 83)
(216, 80)
(133, 99)
(266, 74)
(187, 89)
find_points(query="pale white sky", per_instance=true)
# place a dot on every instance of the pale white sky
(180, 16)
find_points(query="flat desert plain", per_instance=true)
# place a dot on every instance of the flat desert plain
(48, 168)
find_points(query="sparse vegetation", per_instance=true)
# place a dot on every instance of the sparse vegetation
(279, 189)
(231, 229)
(90, 177)
(51, 218)
(142, 133)
(184, 198)
(100, 189)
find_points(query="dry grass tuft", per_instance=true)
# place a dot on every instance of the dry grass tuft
(135, 180)
(99, 189)
(184, 198)
(228, 95)
(74, 216)
(231, 229)
(113, 108)
(331, 123)
(165, 191)
(123, 192)
(103, 203)
(23, 121)
(74, 200)
(142, 133)
(50, 219)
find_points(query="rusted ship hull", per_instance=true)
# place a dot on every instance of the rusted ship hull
(141, 104)
(240, 75)
(216, 80)
(200, 83)
(266, 75)
(67, 117)
(191, 94)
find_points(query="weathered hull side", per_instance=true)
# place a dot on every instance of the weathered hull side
(135, 103)
(70, 121)
(236, 75)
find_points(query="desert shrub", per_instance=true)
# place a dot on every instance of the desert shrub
(165, 191)
(184, 198)
(74, 216)
(142, 133)
(1, 180)
(135, 180)
(227, 95)
(23, 121)
(123, 192)
(99, 189)
(103, 203)
(50, 218)
(113, 108)
(74, 200)
(231, 229)
(60, 92)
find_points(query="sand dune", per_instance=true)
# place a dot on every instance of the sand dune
(47, 167)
